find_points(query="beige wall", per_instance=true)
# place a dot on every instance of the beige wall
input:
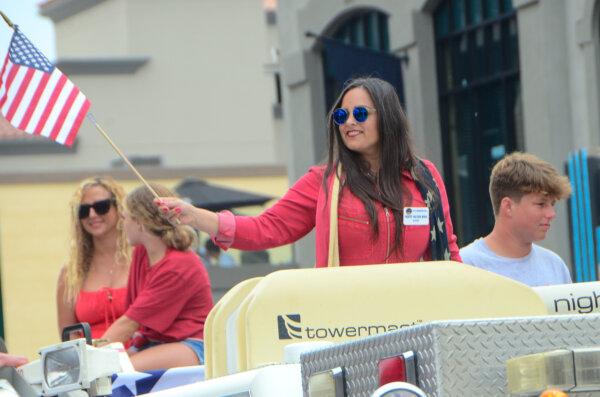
(34, 227)
(109, 17)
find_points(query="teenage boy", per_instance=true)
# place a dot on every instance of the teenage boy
(523, 191)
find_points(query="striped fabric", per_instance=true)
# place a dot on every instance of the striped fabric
(36, 97)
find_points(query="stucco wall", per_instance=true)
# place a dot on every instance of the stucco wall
(204, 98)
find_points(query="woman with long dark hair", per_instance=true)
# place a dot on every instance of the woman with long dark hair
(374, 201)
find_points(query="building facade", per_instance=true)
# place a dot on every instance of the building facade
(238, 94)
(183, 88)
(175, 84)
(480, 78)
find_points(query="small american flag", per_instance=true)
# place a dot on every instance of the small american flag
(36, 97)
(128, 384)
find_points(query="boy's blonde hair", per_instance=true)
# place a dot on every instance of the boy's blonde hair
(520, 173)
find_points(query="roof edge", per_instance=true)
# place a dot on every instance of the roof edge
(57, 10)
(125, 174)
(113, 65)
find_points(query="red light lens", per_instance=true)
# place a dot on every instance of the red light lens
(392, 369)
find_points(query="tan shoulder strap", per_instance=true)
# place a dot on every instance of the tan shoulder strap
(333, 258)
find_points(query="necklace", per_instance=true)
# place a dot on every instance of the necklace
(110, 270)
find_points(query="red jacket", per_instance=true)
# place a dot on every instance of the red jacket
(305, 207)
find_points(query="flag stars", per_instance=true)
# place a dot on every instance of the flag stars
(446, 254)
(440, 225)
(24, 53)
(24, 62)
(429, 199)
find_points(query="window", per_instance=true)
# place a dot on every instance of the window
(278, 105)
(368, 29)
(478, 79)
(359, 46)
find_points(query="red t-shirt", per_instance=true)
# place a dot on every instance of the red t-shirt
(171, 299)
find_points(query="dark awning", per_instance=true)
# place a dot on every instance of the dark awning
(216, 198)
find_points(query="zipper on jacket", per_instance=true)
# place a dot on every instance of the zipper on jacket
(387, 242)
(346, 218)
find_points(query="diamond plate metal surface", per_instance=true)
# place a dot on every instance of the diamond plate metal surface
(454, 358)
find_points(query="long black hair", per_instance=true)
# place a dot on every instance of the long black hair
(396, 155)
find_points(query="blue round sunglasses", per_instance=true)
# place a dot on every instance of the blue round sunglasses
(360, 114)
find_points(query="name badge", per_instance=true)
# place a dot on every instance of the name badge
(416, 216)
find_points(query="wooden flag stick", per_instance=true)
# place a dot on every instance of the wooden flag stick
(7, 20)
(91, 117)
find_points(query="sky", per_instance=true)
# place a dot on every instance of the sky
(37, 28)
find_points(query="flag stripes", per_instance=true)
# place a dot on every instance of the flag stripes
(37, 97)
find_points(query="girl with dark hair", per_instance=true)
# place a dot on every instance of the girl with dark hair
(373, 202)
(168, 293)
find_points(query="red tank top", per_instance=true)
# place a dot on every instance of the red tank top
(100, 308)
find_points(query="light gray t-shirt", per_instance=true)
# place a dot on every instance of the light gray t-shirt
(540, 267)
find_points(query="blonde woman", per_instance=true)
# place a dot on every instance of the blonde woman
(169, 294)
(92, 285)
